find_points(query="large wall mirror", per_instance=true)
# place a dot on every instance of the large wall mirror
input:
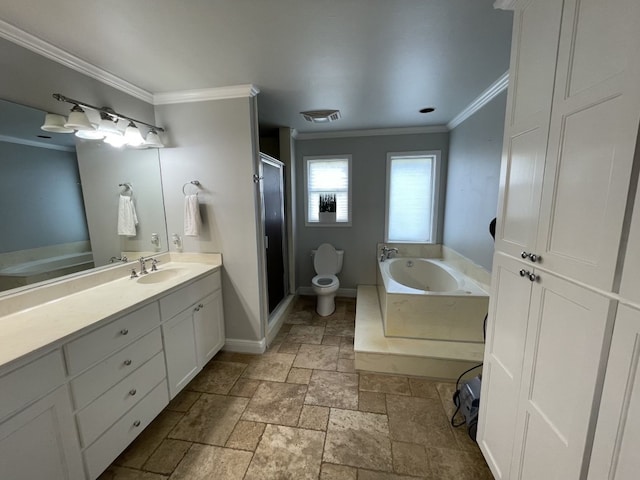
(60, 200)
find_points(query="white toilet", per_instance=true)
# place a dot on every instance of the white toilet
(327, 262)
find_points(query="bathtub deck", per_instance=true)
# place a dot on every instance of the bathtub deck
(430, 358)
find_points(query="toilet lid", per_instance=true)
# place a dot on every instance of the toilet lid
(325, 260)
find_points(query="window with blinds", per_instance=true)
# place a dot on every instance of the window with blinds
(411, 201)
(328, 177)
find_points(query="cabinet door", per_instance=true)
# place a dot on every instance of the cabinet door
(594, 126)
(615, 446)
(180, 351)
(41, 441)
(209, 324)
(533, 62)
(502, 371)
(564, 350)
(630, 284)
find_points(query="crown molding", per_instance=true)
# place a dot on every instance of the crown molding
(504, 4)
(485, 97)
(205, 94)
(372, 132)
(35, 143)
(41, 47)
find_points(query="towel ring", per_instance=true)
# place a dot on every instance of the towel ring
(195, 183)
(127, 188)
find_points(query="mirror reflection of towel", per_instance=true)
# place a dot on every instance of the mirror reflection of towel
(192, 221)
(127, 218)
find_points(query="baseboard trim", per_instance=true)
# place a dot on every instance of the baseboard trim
(342, 292)
(245, 346)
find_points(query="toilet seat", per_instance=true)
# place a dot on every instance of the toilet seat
(324, 281)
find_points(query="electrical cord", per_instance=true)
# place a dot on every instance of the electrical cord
(456, 395)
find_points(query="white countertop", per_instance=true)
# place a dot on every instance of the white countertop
(49, 324)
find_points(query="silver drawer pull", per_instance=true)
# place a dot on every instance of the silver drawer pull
(136, 423)
(200, 305)
(127, 362)
(132, 392)
(124, 331)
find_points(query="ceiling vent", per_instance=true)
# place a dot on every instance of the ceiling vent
(321, 116)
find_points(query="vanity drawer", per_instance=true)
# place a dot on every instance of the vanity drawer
(92, 383)
(100, 455)
(182, 299)
(94, 346)
(31, 382)
(107, 408)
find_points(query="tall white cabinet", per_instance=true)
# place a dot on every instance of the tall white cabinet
(566, 197)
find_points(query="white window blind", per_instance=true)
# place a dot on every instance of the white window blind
(328, 176)
(411, 188)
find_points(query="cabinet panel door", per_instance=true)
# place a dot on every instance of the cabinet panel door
(615, 446)
(180, 351)
(209, 324)
(41, 441)
(502, 371)
(531, 77)
(592, 139)
(565, 347)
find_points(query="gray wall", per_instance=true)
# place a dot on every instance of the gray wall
(369, 156)
(30, 79)
(213, 142)
(475, 152)
(40, 198)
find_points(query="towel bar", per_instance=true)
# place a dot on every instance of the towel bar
(196, 183)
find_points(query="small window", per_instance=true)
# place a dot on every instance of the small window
(328, 181)
(412, 193)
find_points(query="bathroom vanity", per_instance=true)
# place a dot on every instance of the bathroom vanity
(86, 369)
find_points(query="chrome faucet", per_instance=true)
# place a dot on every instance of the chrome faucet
(387, 252)
(143, 265)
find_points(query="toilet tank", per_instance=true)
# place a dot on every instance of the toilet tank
(340, 254)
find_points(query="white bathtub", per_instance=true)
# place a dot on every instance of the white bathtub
(38, 270)
(426, 298)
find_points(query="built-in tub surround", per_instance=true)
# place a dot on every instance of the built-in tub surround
(39, 318)
(426, 298)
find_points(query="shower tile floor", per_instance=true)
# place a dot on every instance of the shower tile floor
(301, 411)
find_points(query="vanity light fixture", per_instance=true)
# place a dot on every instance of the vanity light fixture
(321, 116)
(152, 139)
(116, 129)
(55, 123)
(78, 120)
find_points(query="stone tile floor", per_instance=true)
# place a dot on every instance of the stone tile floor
(301, 411)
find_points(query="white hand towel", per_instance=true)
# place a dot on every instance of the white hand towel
(192, 221)
(127, 218)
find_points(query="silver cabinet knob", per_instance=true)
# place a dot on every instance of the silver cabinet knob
(533, 257)
(200, 306)
(524, 254)
(127, 362)
(524, 273)
(533, 277)
(132, 392)
(197, 309)
(136, 423)
(124, 331)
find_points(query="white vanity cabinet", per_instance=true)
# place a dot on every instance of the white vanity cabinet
(38, 437)
(193, 329)
(122, 386)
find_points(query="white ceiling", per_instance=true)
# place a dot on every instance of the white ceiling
(378, 61)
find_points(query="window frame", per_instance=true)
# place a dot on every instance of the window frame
(306, 160)
(435, 194)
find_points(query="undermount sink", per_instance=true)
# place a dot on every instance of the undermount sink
(160, 276)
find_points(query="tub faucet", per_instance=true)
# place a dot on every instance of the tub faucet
(386, 252)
